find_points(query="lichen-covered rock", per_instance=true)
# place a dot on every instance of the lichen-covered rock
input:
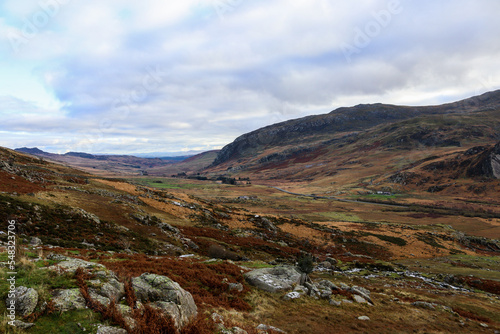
(110, 330)
(35, 241)
(97, 297)
(25, 300)
(274, 279)
(22, 324)
(112, 289)
(219, 321)
(168, 227)
(167, 295)
(69, 299)
(264, 329)
(335, 302)
(70, 265)
(327, 284)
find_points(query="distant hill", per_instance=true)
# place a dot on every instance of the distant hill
(32, 151)
(127, 164)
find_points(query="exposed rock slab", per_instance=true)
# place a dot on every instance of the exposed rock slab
(70, 265)
(274, 279)
(110, 330)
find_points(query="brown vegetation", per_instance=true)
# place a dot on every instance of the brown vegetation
(208, 283)
(146, 320)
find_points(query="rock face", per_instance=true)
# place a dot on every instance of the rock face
(165, 294)
(25, 300)
(488, 164)
(274, 279)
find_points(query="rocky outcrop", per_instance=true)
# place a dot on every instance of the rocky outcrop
(166, 295)
(487, 164)
(158, 291)
(274, 279)
(25, 300)
(68, 300)
(70, 265)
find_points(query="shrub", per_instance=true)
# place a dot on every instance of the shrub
(219, 252)
(306, 264)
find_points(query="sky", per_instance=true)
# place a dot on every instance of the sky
(129, 77)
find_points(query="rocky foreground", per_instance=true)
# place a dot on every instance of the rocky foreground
(125, 304)
(103, 288)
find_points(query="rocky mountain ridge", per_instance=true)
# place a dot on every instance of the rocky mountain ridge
(344, 121)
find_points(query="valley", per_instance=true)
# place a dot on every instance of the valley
(391, 213)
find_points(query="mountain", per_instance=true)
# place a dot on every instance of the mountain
(341, 124)
(365, 147)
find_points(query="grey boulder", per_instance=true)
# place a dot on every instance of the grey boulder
(166, 295)
(110, 330)
(70, 265)
(274, 279)
(67, 300)
(262, 329)
(25, 300)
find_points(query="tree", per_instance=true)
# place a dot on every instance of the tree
(306, 264)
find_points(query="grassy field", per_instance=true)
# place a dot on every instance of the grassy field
(170, 183)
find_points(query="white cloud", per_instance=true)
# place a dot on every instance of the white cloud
(131, 76)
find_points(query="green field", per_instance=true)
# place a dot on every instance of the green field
(168, 183)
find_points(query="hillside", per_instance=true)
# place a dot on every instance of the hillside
(364, 129)
(125, 165)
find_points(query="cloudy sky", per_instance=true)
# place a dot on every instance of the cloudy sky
(127, 76)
